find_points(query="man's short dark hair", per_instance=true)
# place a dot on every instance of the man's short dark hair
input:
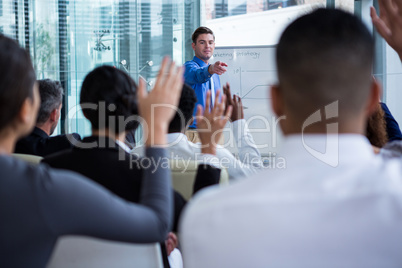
(201, 30)
(17, 78)
(323, 57)
(51, 96)
(115, 91)
(185, 110)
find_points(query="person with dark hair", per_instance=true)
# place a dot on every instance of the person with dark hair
(39, 141)
(376, 131)
(108, 100)
(180, 147)
(39, 204)
(336, 204)
(200, 74)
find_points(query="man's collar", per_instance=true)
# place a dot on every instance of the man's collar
(331, 149)
(39, 132)
(200, 61)
(176, 137)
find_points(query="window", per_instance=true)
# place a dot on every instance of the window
(67, 39)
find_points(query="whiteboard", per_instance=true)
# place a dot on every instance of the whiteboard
(250, 72)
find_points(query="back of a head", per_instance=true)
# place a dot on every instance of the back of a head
(114, 94)
(185, 110)
(324, 57)
(51, 96)
(17, 78)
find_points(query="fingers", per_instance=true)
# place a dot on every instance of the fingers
(174, 238)
(199, 112)
(228, 114)
(218, 68)
(225, 89)
(177, 83)
(217, 98)
(380, 25)
(397, 3)
(388, 10)
(171, 77)
(160, 76)
(239, 100)
(207, 102)
(141, 91)
(219, 108)
(228, 93)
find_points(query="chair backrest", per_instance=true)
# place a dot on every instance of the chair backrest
(87, 252)
(183, 176)
(34, 159)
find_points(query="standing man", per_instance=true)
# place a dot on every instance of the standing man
(201, 75)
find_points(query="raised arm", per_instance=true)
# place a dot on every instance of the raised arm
(389, 23)
(73, 205)
(248, 152)
(194, 74)
(210, 126)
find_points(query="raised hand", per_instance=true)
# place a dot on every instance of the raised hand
(171, 243)
(159, 106)
(235, 102)
(211, 123)
(389, 23)
(217, 68)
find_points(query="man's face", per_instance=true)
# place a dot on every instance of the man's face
(204, 46)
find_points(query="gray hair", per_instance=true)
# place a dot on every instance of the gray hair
(51, 95)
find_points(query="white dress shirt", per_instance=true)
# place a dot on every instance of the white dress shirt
(310, 214)
(249, 162)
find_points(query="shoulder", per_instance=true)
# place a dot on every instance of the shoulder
(191, 63)
(39, 175)
(223, 152)
(70, 138)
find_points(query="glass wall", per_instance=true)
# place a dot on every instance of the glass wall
(246, 33)
(252, 22)
(67, 39)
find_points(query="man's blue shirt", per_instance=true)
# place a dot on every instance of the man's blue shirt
(197, 76)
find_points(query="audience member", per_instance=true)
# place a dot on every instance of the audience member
(39, 204)
(389, 27)
(180, 147)
(39, 141)
(376, 131)
(103, 157)
(201, 75)
(336, 204)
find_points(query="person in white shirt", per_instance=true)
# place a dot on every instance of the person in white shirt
(180, 147)
(336, 204)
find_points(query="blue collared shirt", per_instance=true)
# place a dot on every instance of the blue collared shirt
(197, 76)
